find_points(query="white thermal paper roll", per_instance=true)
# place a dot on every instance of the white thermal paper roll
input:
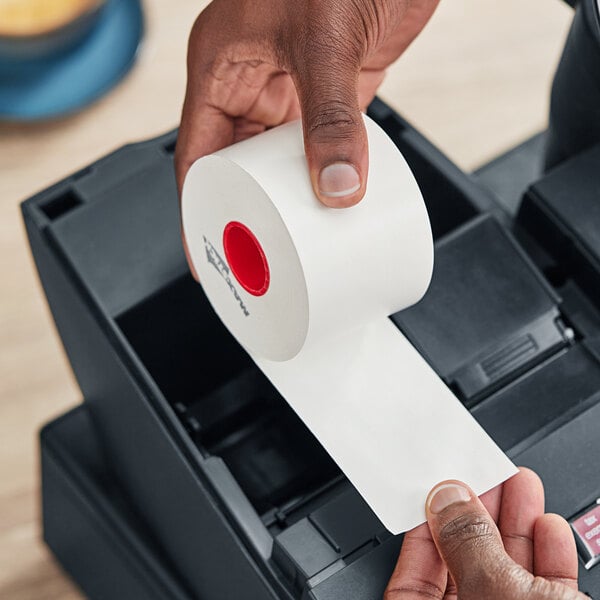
(307, 290)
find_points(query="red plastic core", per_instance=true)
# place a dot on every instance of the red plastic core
(246, 258)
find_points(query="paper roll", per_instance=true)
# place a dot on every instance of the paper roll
(307, 291)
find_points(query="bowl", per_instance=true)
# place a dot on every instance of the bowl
(34, 29)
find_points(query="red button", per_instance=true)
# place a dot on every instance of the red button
(587, 531)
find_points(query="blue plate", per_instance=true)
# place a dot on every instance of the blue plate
(65, 82)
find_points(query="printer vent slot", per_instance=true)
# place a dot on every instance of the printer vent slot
(502, 362)
(61, 205)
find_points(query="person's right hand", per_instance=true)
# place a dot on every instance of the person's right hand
(462, 554)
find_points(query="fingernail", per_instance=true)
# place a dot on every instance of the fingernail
(338, 180)
(445, 495)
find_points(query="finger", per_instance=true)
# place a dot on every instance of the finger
(451, 591)
(554, 550)
(188, 257)
(492, 501)
(410, 21)
(276, 103)
(325, 70)
(204, 129)
(368, 82)
(468, 541)
(335, 138)
(244, 129)
(420, 572)
(522, 505)
(201, 132)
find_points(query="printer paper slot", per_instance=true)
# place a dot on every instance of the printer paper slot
(228, 406)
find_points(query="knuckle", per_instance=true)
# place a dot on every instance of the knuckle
(465, 528)
(540, 588)
(493, 577)
(334, 121)
(465, 531)
(414, 589)
(356, 26)
(515, 579)
(544, 589)
(375, 17)
(327, 34)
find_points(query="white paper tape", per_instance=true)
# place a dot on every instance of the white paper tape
(307, 291)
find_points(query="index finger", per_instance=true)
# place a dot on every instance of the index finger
(420, 572)
(204, 129)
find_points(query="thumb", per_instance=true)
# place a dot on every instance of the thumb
(335, 138)
(470, 544)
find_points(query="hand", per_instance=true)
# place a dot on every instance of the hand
(256, 64)
(461, 553)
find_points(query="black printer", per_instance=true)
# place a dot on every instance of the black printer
(183, 475)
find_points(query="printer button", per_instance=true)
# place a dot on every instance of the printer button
(587, 533)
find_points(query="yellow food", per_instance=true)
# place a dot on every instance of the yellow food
(35, 17)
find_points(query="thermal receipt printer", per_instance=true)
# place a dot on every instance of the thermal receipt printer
(184, 474)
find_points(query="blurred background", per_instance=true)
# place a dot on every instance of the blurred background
(476, 82)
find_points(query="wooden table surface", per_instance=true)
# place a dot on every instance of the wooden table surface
(476, 82)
